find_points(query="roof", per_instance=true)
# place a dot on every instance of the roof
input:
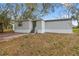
(59, 19)
(44, 20)
(28, 20)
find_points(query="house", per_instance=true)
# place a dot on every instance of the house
(42, 26)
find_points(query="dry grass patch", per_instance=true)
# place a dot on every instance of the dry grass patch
(42, 44)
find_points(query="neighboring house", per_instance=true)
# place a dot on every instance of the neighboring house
(42, 26)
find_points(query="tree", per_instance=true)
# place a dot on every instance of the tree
(21, 11)
(4, 21)
(72, 9)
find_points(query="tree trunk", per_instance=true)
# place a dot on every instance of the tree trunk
(1, 28)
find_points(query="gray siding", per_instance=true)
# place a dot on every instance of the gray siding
(40, 26)
(25, 28)
(58, 26)
(45, 26)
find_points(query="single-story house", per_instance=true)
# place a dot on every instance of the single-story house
(42, 26)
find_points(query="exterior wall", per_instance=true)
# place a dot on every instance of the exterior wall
(45, 26)
(40, 27)
(25, 28)
(58, 26)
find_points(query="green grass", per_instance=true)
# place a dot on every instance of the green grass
(76, 30)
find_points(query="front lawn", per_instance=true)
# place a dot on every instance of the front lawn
(42, 44)
(76, 30)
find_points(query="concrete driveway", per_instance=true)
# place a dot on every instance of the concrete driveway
(7, 36)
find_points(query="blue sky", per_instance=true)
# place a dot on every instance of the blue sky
(54, 14)
(58, 13)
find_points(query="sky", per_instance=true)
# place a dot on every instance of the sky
(53, 15)
(59, 13)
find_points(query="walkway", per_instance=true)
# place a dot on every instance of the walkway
(7, 36)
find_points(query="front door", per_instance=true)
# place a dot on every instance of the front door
(1, 27)
(33, 26)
